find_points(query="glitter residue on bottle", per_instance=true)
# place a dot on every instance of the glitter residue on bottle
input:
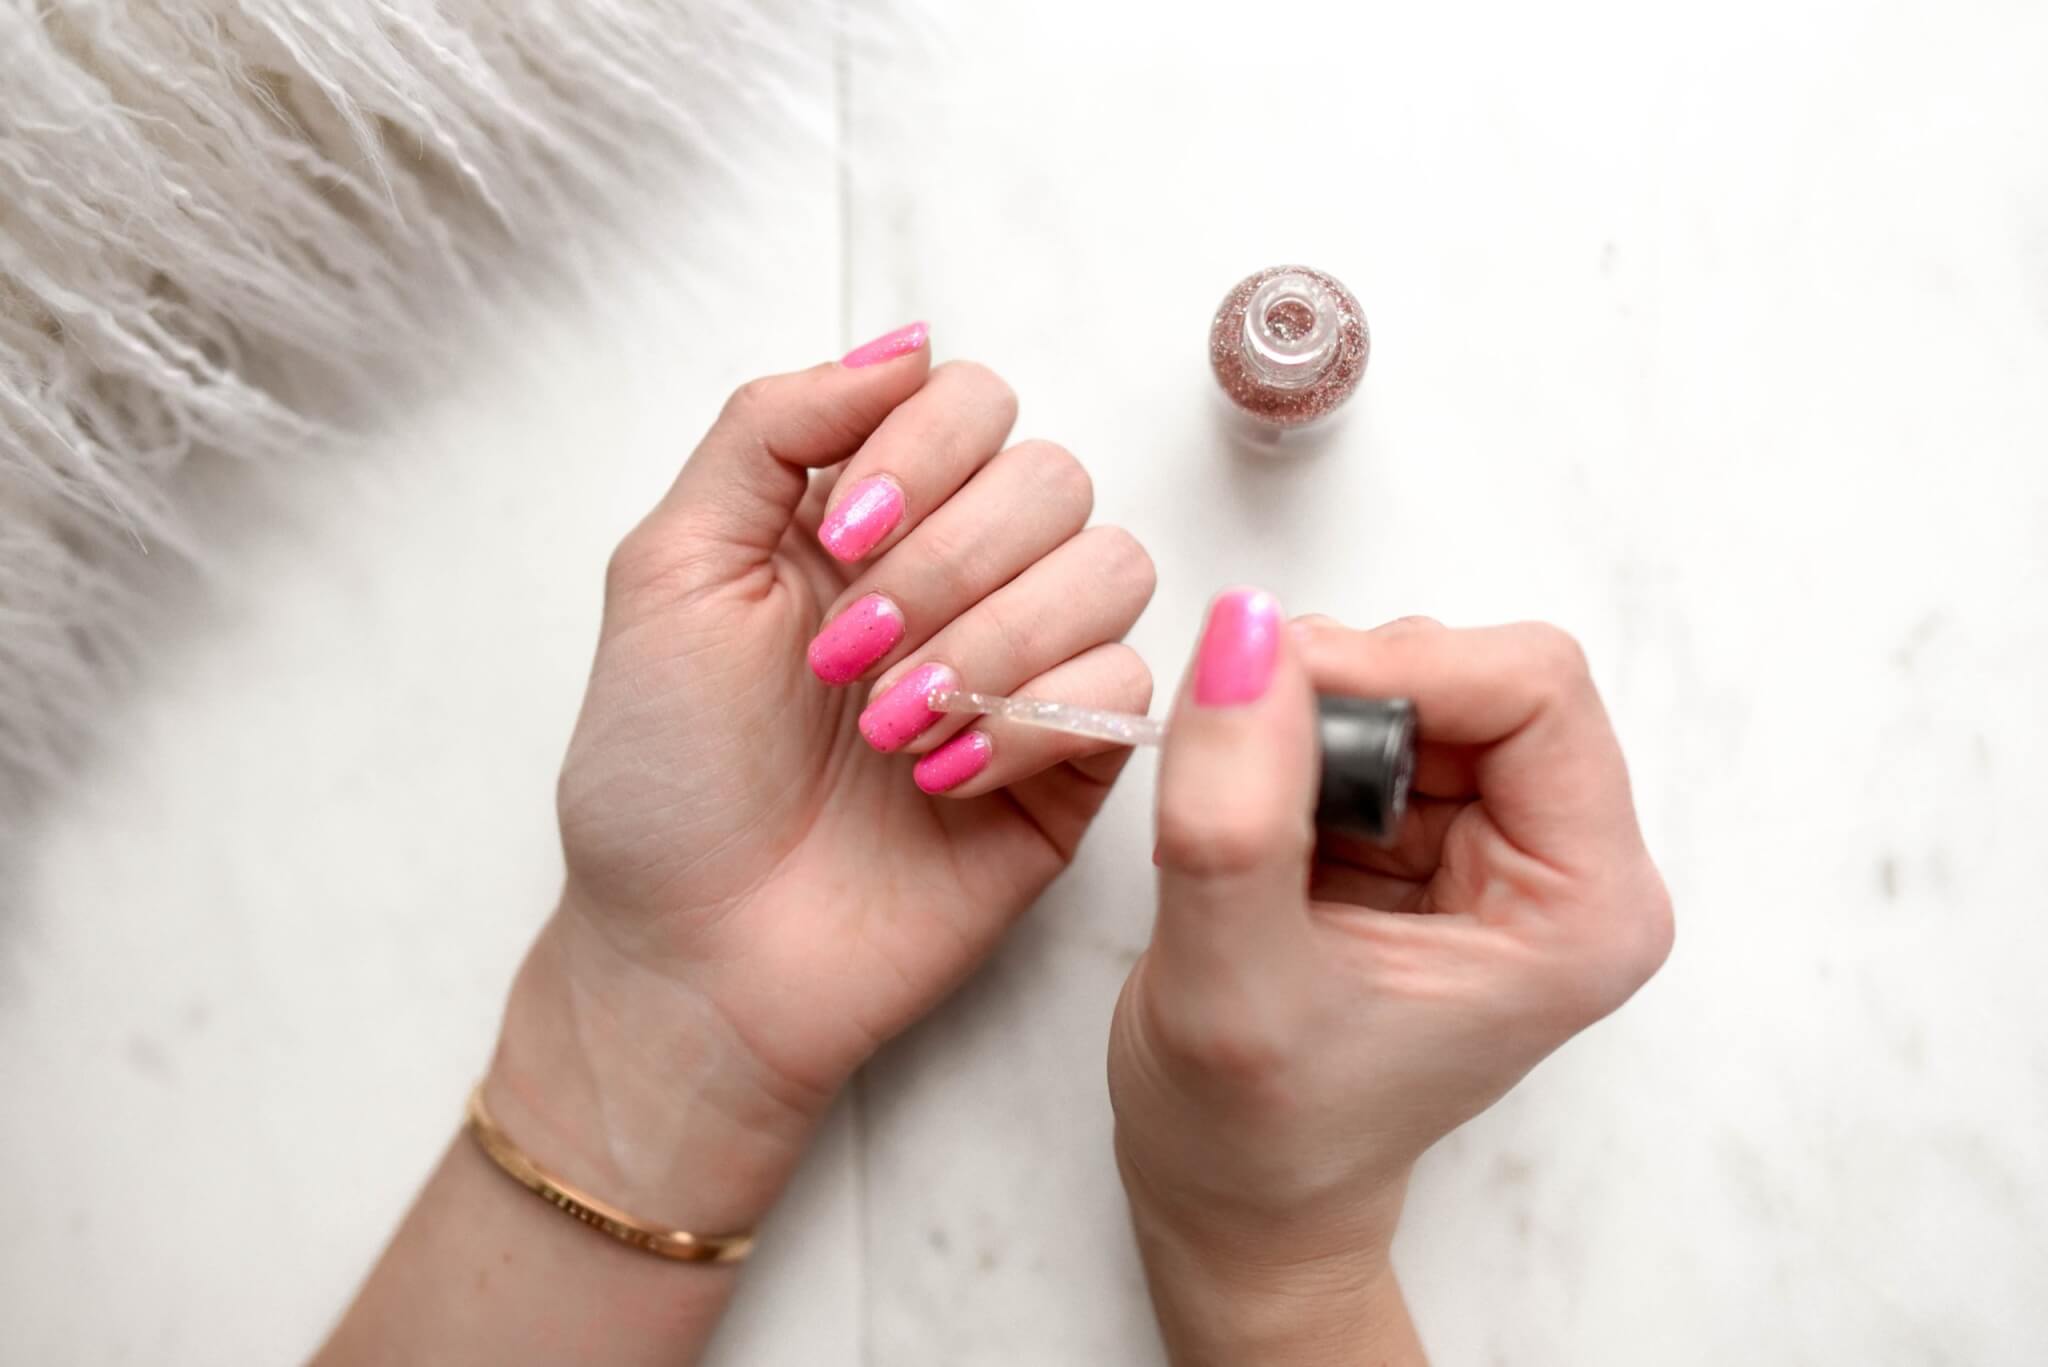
(1289, 345)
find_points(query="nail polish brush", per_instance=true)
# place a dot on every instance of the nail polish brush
(1368, 748)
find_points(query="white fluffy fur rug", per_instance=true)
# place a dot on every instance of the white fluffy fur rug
(210, 208)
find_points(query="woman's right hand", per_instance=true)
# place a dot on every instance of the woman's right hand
(1310, 1017)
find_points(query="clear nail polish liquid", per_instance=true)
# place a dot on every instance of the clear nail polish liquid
(1288, 347)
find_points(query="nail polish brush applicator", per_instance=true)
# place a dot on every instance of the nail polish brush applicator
(1368, 748)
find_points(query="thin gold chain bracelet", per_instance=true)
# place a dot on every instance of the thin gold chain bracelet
(663, 1243)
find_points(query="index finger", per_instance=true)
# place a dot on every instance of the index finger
(1549, 766)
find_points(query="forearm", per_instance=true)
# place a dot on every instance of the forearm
(655, 1122)
(483, 1271)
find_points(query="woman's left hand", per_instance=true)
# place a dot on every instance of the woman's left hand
(758, 895)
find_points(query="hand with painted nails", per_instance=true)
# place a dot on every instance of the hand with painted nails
(759, 805)
(778, 855)
(1312, 1014)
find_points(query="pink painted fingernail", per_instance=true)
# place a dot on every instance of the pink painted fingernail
(1239, 647)
(868, 512)
(855, 639)
(953, 763)
(904, 711)
(888, 346)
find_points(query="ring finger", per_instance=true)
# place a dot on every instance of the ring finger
(988, 755)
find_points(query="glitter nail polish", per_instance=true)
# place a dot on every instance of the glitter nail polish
(862, 519)
(1288, 346)
(953, 763)
(850, 644)
(903, 711)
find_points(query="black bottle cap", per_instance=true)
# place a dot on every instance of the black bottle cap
(1368, 763)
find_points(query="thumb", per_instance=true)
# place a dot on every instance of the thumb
(743, 485)
(1237, 792)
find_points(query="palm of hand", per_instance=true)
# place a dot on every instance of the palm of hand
(719, 807)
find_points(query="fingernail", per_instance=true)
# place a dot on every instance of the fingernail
(904, 712)
(855, 639)
(953, 763)
(868, 512)
(888, 346)
(1239, 647)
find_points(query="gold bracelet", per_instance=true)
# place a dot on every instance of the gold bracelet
(664, 1243)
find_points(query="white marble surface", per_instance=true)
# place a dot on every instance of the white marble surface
(1719, 335)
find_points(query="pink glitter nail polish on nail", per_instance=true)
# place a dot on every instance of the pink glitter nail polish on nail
(1289, 346)
(903, 712)
(850, 643)
(953, 763)
(887, 347)
(1240, 646)
(864, 515)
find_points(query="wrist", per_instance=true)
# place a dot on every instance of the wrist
(631, 1085)
(1231, 1285)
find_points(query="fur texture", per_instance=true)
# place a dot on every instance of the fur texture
(212, 209)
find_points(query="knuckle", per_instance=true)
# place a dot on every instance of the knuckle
(620, 565)
(1225, 1051)
(1012, 632)
(1057, 474)
(1556, 656)
(746, 405)
(1220, 1041)
(1202, 836)
(1414, 621)
(978, 380)
(1131, 677)
(1600, 982)
(1575, 996)
(648, 566)
(1320, 637)
(633, 563)
(1126, 560)
(1658, 933)
(950, 553)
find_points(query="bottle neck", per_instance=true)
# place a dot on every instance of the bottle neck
(1291, 326)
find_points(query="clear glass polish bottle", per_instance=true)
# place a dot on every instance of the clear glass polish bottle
(1289, 346)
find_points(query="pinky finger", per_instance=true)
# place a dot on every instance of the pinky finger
(994, 754)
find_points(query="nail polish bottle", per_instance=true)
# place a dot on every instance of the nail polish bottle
(1288, 347)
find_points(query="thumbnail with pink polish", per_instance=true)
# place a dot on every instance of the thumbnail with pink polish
(865, 514)
(903, 712)
(953, 763)
(1240, 646)
(887, 347)
(851, 642)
